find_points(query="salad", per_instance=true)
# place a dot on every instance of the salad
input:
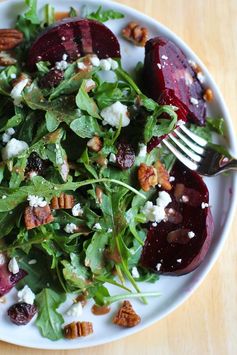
(89, 196)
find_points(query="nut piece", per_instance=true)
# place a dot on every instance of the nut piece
(20, 78)
(147, 176)
(94, 144)
(63, 201)
(208, 95)
(6, 59)
(162, 176)
(10, 38)
(81, 298)
(126, 316)
(78, 329)
(36, 216)
(99, 194)
(136, 34)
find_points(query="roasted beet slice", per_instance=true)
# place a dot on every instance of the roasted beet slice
(75, 37)
(170, 79)
(9, 280)
(178, 248)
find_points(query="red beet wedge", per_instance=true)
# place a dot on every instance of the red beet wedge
(75, 37)
(170, 79)
(179, 245)
(9, 280)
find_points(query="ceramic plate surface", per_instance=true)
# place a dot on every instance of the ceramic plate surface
(174, 290)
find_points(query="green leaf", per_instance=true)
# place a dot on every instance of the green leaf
(49, 16)
(49, 321)
(43, 67)
(5, 80)
(86, 103)
(72, 12)
(32, 13)
(95, 252)
(217, 125)
(107, 93)
(85, 126)
(18, 173)
(75, 273)
(8, 221)
(104, 15)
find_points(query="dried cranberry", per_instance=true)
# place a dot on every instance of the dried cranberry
(21, 313)
(125, 156)
(34, 163)
(51, 79)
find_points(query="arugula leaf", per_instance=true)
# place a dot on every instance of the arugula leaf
(85, 126)
(49, 321)
(104, 15)
(85, 102)
(5, 80)
(49, 15)
(8, 221)
(107, 93)
(217, 125)
(31, 14)
(75, 273)
(95, 252)
(72, 12)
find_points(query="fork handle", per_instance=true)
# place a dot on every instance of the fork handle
(231, 165)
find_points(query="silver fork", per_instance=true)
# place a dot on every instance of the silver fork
(196, 153)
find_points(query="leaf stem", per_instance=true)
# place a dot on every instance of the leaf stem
(112, 299)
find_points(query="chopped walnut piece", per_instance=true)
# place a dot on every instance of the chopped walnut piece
(208, 95)
(162, 175)
(78, 329)
(82, 298)
(136, 34)
(36, 216)
(94, 144)
(147, 177)
(126, 316)
(64, 201)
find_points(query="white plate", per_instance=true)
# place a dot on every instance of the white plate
(175, 290)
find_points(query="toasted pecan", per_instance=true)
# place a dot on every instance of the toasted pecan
(147, 176)
(10, 38)
(126, 316)
(64, 201)
(95, 144)
(162, 176)
(136, 34)
(78, 329)
(37, 216)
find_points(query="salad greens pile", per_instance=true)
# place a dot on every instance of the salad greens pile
(56, 123)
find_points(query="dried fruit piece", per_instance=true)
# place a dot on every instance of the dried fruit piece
(135, 33)
(34, 164)
(51, 79)
(147, 176)
(10, 38)
(162, 176)
(21, 313)
(95, 144)
(126, 316)
(125, 156)
(64, 201)
(78, 329)
(37, 216)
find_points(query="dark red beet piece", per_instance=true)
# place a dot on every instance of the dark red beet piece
(170, 79)
(181, 256)
(9, 280)
(75, 37)
(21, 313)
(125, 156)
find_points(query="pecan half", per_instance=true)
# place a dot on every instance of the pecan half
(94, 144)
(10, 38)
(136, 34)
(36, 216)
(6, 59)
(78, 329)
(64, 201)
(147, 176)
(162, 176)
(126, 316)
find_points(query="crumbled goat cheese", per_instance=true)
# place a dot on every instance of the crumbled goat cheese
(16, 93)
(63, 38)
(26, 295)
(193, 101)
(154, 224)
(158, 266)
(10, 131)
(95, 61)
(201, 77)
(32, 262)
(164, 57)
(179, 260)
(90, 84)
(13, 148)
(75, 310)
(62, 65)
(110, 230)
(97, 226)
(163, 199)
(36, 201)
(77, 210)
(13, 76)
(105, 64)
(112, 158)
(142, 150)
(115, 114)
(13, 266)
(70, 228)
(204, 205)
(81, 66)
(65, 56)
(159, 65)
(114, 64)
(2, 259)
(4, 196)
(184, 199)
(5, 138)
(135, 273)
(153, 213)
(191, 234)
(172, 178)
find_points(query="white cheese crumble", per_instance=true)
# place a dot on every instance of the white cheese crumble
(97, 226)
(13, 76)
(164, 199)
(142, 150)
(95, 61)
(70, 228)
(153, 213)
(201, 77)
(158, 266)
(191, 234)
(32, 262)
(81, 66)
(65, 56)
(77, 210)
(112, 158)
(36, 201)
(13, 148)
(2, 259)
(154, 224)
(164, 57)
(110, 230)
(26, 295)
(159, 65)
(105, 64)
(7, 135)
(13, 266)
(193, 101)
(179, 260)
(75, 310)
(184, 199)
(62, 65)
(4, 196)
(16, 92)
(204, 205)
(115, 114)
(135, 273)
(90, 84)
(172, 178)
